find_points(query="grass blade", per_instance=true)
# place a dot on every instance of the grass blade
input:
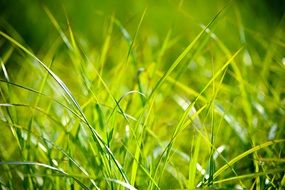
(244, 154)
(45, 166)
(96, 136)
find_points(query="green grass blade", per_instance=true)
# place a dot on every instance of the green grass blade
(246, 176)
(181, 56)
(58, 28)
(96, 136)
(47, 167)
(193, 163)
(244, 154)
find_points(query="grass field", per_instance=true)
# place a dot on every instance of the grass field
(142, 95)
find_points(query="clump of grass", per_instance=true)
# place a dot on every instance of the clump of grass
(183, 112)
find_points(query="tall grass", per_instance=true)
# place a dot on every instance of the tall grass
(144, 111)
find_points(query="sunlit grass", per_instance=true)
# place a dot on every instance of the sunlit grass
(139, 111)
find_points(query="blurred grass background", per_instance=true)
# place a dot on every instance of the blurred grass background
(88, 17)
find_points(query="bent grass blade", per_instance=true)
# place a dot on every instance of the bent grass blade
(96, 136)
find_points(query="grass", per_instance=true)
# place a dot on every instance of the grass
(144, 106)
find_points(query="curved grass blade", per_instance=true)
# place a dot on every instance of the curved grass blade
(246, 153)
(126, 185)
(84, 171)
(183, 87)
(181, 123)
(97, 138)
(42, 94)
(182, 56)
(48, 167)
(33, 108)
(252, 175)
(122, 97)
(21, 86)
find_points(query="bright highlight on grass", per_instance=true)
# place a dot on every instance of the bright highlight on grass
(197, 102)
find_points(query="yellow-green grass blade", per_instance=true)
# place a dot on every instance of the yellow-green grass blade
(17, 163)
(181, 57)
(58, 28)
(96, 136)
(244, 154)
(58, 148)
(249, 176)
(185, 114)
(193, 162)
